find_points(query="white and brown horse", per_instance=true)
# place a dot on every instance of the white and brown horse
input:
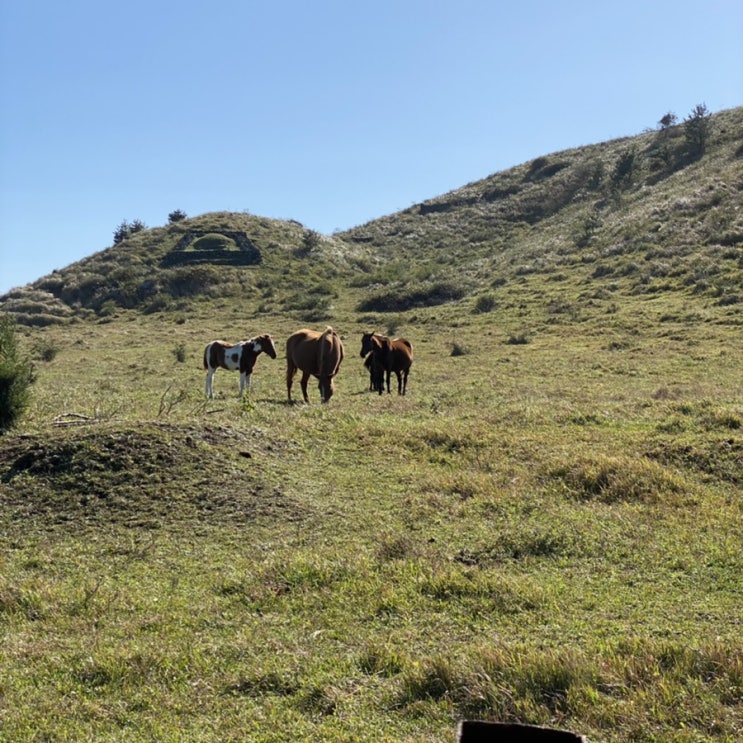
(238, 357)
(388, 355)
(316, 354)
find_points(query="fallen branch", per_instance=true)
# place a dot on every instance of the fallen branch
(74, 419)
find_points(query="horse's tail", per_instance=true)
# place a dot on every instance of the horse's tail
(338, 346)
(206, 356)
(324, 338)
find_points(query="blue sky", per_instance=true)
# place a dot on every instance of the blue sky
(329, 112)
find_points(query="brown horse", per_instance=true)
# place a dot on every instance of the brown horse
(388, 355)
(316, 354)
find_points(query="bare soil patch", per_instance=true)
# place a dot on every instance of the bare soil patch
(150, 475)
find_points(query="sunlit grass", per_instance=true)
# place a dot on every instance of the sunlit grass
(507, 541)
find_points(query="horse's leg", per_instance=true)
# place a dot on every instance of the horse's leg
(405, 380)
(303, 384)
(398, 374)
(376, 375)
(291, 370)
(210, 383)
(244, 383)
(388, 374)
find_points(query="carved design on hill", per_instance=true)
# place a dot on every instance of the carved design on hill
(245, 254)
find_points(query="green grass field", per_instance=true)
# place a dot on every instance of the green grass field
(546, 532)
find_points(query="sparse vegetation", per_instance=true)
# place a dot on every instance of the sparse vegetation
(46, 351)
(457, 349)
(180, 353)
(411, 298)
(485, 303)
(310, 243)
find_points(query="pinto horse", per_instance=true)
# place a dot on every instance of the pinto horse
(241, 356)
(388, 355)
(316, 354)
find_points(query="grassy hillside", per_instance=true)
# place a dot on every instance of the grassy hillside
(568, 221)
(140, 274)
(547, 528)
(634, 216)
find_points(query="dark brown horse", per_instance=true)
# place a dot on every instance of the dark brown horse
(388, 355)
(316, 354)
(376, 374)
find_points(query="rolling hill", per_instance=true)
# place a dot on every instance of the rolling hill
(632, 217)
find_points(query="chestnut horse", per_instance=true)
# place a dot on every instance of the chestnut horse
(316, 354)
(388, 355)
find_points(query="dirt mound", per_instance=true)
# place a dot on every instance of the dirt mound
(141, 477)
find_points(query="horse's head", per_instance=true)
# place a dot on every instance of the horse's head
(265, 343)
(367, 344)
(326, 388)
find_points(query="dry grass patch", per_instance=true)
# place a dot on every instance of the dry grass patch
(504, 683)
(607, 695)
(613, 479)
(715, 457)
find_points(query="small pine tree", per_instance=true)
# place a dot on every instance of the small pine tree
(310, 241)
(126, 229)
(624, 170)
(16, 375)
(696, 130)
(121, 232)
(176, 216)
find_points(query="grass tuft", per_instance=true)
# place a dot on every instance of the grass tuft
(381, 660)
(616, 479)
